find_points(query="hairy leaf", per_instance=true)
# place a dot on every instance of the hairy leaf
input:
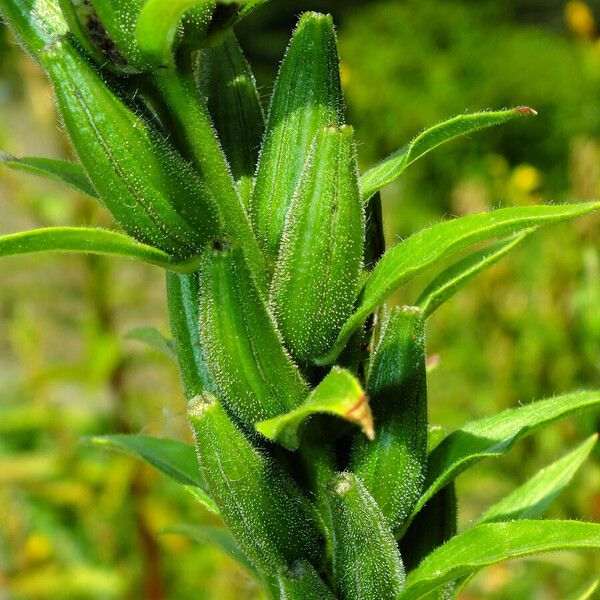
(495, 435)
(394, 165)
(90, 241)
(302, 582)
(531, 499)
(425, 248)
(72, 174)
(452, 279)
(492, 543)
(153, 338)
(340, 394)
(218, 537)
(174, 459)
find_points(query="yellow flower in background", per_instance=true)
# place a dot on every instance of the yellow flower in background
(580, 19)
(526, 179)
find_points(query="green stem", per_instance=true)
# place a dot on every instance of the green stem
(192, 121)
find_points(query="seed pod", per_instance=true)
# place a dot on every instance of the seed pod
(268, 516)
(244, 353)
(302, 582)
(307, 97)
(150, 190)
(106, 30)
(182, 295)
(226, 79)
(393, 465)
(366, 561)
(318, 269)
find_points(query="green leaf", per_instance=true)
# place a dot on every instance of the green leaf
(158, 26)
(425, 248)
(153, 338)
(340, 394)
(452, 279)
(496, 435)
(218, 537)
(72, 174)
(90, 241)
(531, 500)
(492, 543)
(174, 459)
(586, 591)
(394, 165)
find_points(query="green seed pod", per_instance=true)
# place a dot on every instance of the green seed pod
(226, 79)
(302, 582)
(268, 516)
(393, 465)
(150, 190)
(182, 295)
(307, 97)
(244, 353)
(106, 30)
(366, 561)
(318, 269)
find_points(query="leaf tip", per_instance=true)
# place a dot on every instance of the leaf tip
(526, 110)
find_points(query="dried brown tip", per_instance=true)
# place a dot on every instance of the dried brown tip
(361, 414)
(526, 110)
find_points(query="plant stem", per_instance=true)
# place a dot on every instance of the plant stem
(191, 121)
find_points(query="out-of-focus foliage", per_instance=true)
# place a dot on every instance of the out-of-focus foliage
(78, 523)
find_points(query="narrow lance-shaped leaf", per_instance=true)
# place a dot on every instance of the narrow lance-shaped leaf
(150, 190)
(366, 561)
(302, 582)
(492, 543)
(307, 98)
(261, 504)
(394, 165)
(89, 241)
(244, 354)
(226, 79)
(174, 459)
(452, 279)
(392, 466)
(339, 394)
(425, 248)
(71, 174)
(153, 338)
(495, 435)
(183, 294)
(531, 499)
(217, 537)
(319, 264)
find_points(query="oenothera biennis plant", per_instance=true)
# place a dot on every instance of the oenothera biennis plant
(307, 395)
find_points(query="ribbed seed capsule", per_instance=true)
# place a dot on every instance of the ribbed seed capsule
(393, 465)
(266, 512)
(302, 582)
(318, 269)
(307, 97)
(150, 190)
(366, 561)
(244, 353)
(226, 79)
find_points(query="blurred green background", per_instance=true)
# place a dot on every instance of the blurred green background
(76, 523)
